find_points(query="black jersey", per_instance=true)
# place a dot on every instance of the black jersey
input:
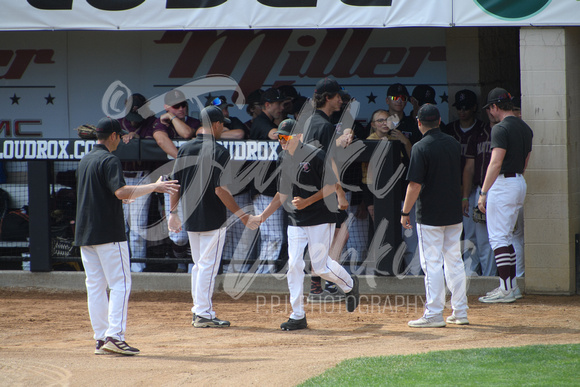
(515, 136)
(202, 166)
(436, 165)
(100, 216)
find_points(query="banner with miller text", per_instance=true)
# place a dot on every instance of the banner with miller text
(52, 82)
(265, 14)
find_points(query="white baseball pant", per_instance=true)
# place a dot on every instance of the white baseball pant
(440, 253)
(486, 256)
(470, 250)
(107, 265)
(504, 200)
(318, 239)
(206, 251)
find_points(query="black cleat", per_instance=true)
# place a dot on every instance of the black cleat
(292, 325)
(353, 297)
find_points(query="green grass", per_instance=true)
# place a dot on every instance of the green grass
(535, 365)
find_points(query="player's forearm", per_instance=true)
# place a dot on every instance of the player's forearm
(228, 200)
(182, 128)
(468, 172)
(129, 192)
(413, 190)
(165, 143)
(273, 206)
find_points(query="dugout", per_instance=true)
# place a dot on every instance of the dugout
(52, 81)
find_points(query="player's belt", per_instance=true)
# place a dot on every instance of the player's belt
(510, 174)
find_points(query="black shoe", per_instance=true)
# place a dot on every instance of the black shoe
(292, 325)
(331, 287)
(353, 297)
(120, 347)
(201, 322)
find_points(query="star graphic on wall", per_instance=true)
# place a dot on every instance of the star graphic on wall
(49, 99)
(372, 98)
(444, 97)
(15, 99)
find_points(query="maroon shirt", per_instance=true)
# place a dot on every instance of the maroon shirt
(193, 123)
(479, 148)
(144, 130)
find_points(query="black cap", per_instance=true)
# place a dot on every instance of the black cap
(214, 114)
(173, 97)
(397, 89)
(428, 113)
(288, 92)
(465, 99)
(327, 85)
(255, 96)
(271, 95)
(298, 103)
(137, 100)
(286, 127)
(219, 101)
(109, 125)
(424, 94)
(497, 95)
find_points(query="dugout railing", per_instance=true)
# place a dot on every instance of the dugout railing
(41, 174)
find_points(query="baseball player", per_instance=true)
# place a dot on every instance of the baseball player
(202, 168)
(468, 126)
(434, 177)
(504, 189)
(100, 232)
(306, 188)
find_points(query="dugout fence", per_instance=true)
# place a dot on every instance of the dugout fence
(39, 182)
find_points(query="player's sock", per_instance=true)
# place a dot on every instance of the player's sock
(502, 260)
(512, 266)
(316, 285)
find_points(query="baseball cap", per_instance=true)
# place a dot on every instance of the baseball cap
(286, 127)
(255, 96)
(109, 125)
(428, 113)
(327, 85)
(298, 103)
(397, 89)
(497, 95)
(137, 100)
(288, 92)
(465, 99)
(173, 97)
(219, 101)
(271, 95)
(214, 114)
(424, 94)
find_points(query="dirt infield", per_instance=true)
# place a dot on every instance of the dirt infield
(46, 338)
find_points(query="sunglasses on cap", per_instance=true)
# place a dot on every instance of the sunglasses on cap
(284, 137)
(403, 98)
(216, 101)
(180, 105)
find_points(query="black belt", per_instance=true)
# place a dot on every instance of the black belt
(510, 174)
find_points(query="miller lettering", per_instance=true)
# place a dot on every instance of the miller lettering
(21, 61)
(317, 57)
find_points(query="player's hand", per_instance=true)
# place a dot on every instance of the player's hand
(129, 136)
(465, 208)
(299, 203)
(170, 186)
(406, 222)
(481, 203)
(342, 202)
(166, 119)
(345, 139)
(174, 223)
(253, 221)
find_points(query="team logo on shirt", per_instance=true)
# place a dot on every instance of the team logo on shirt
(305, 166)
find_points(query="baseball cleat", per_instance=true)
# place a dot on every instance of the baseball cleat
(201, 322)
(498, 296)
(120, 347)
(292, 324)
(427, 322)
(99, 348)
(517, 293)
(457, 320)
(353, 297)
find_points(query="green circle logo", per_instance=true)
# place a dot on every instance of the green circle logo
(512, 9)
